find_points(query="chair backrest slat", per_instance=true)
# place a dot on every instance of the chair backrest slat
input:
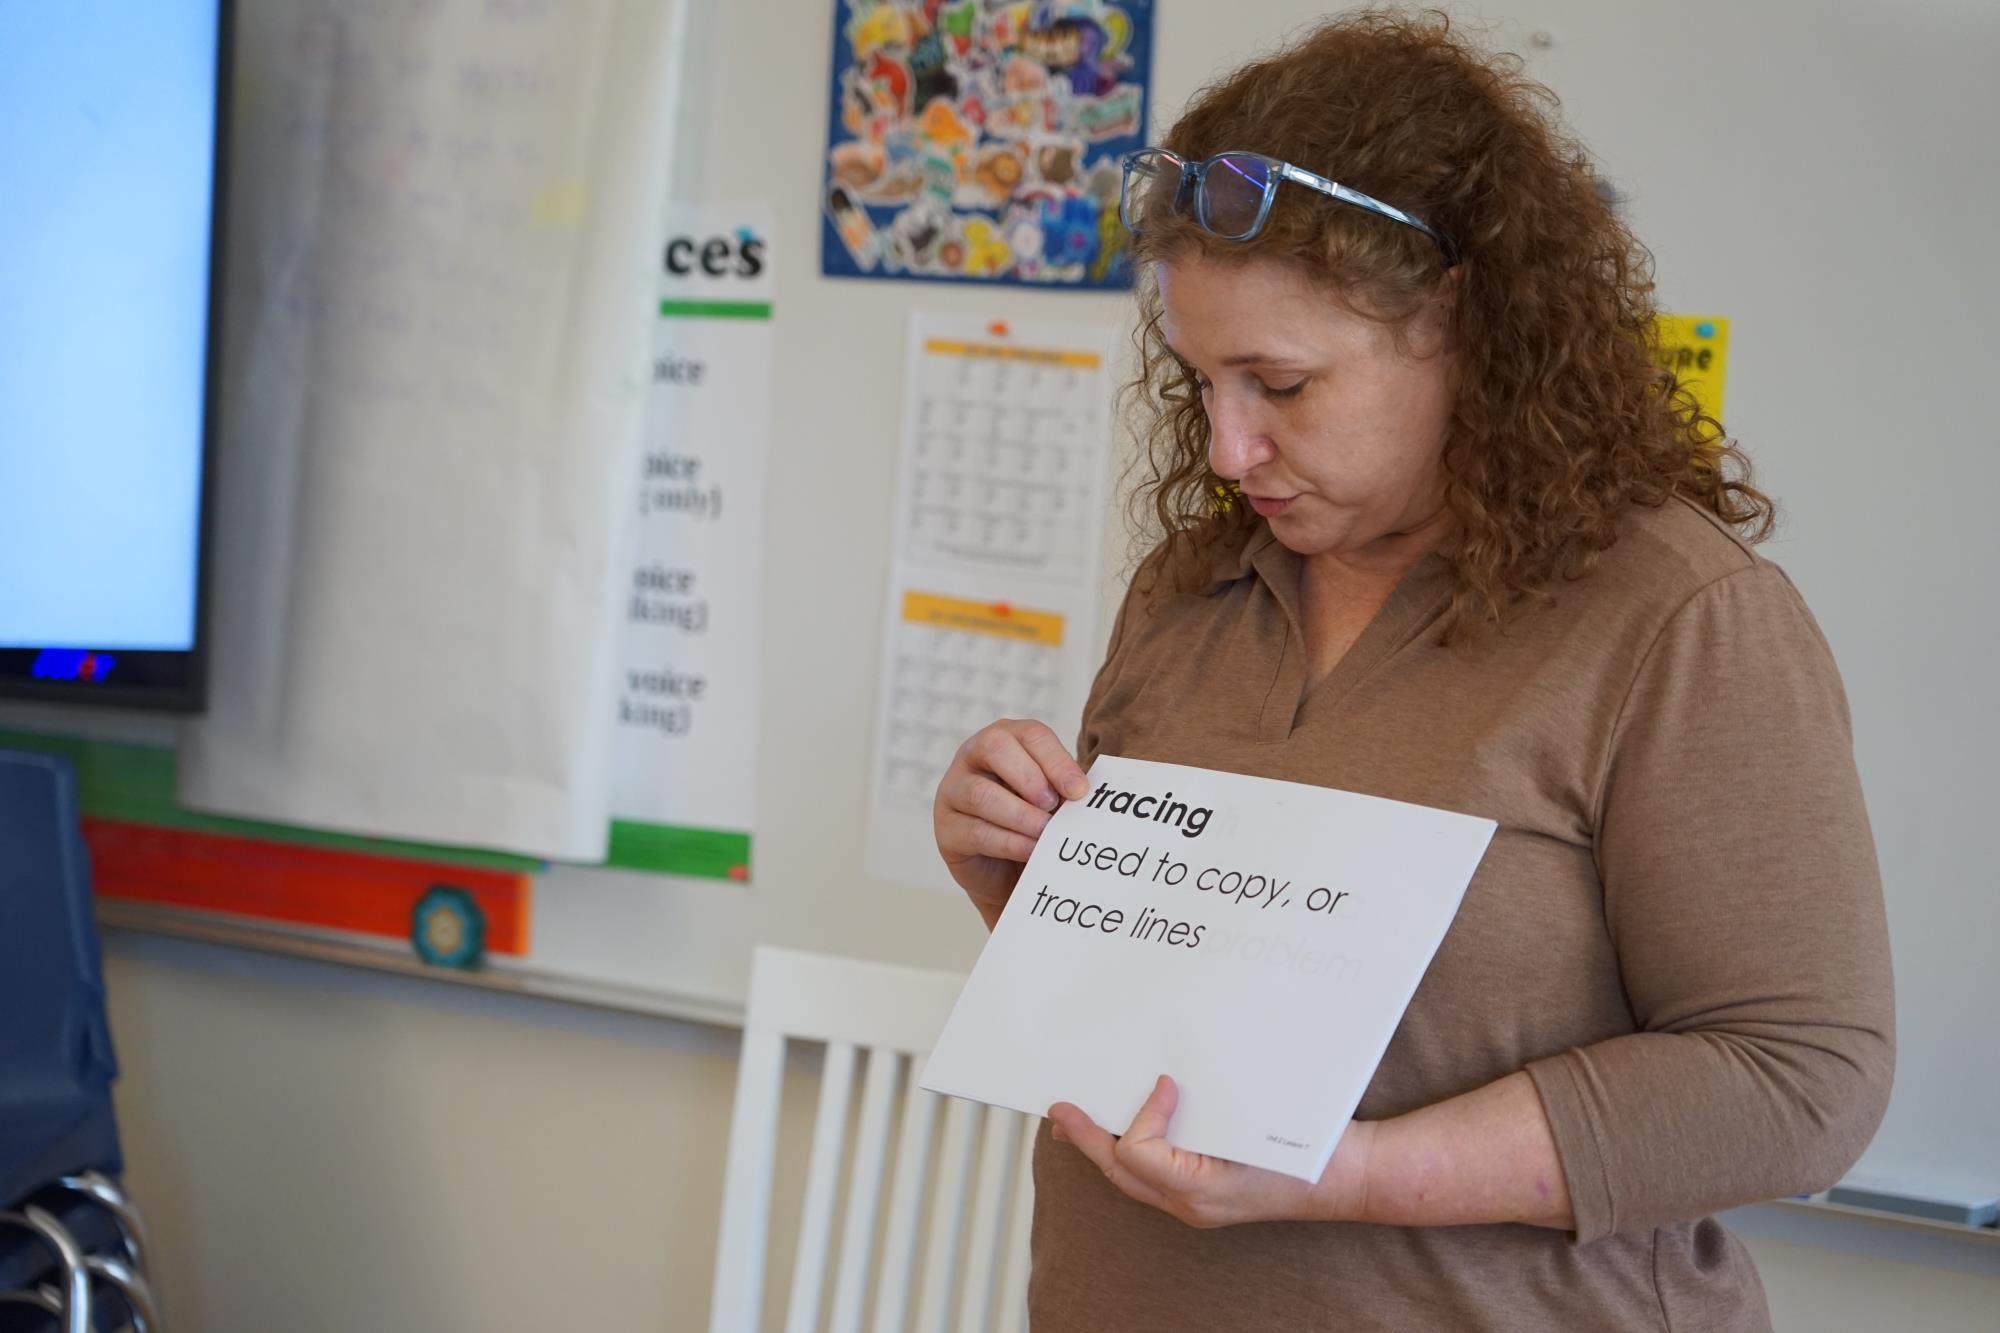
(864, 1189)
(836, 1085)
(954, 1173)
(992, 1191)
(906, 1197)
(1013, 1312)
(746, 1203)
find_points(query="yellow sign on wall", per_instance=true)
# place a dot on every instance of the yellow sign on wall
(1696, 349)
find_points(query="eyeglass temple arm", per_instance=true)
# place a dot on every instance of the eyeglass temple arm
(1341, 192)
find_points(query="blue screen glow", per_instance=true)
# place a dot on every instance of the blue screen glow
(107, 134)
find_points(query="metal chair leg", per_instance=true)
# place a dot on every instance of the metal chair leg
(73, 1293)
(107, 1192)
(132, 1286)
(44, 1298)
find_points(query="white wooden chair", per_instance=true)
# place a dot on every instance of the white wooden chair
(953, 1248)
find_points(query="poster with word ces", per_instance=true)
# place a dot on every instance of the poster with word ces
(993, 592)
(684, 782)
(980, 141)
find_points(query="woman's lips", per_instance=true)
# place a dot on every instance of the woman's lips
(1270, 506)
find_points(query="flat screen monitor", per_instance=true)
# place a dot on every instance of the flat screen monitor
(112, 145)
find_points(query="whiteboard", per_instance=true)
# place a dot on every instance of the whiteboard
(1823, 175)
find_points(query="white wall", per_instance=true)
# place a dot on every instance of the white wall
(325, 1151)
(318, 1149)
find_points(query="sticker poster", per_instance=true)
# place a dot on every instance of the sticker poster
(979, 141)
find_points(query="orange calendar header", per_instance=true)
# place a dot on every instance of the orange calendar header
(1000, 352)
(996, 618)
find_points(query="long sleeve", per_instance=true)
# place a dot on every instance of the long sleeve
(1745, 906)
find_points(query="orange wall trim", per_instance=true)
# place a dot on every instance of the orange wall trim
(297, 885)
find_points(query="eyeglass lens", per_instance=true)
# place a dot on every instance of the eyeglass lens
(1152, 187)
(1229, 199)
(1233, 192)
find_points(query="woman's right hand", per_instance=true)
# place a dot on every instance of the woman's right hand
(994, 801)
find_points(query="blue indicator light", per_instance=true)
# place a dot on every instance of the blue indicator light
(72, 664)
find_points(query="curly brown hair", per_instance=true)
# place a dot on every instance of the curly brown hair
(1564, 416)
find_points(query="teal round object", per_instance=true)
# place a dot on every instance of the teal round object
(1704, 330)
(447, 928)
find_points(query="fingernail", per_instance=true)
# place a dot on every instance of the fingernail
(1056, 1133)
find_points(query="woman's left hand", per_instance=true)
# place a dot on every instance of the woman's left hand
(1208, 1191)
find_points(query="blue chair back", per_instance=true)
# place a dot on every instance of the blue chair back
(56, 1064)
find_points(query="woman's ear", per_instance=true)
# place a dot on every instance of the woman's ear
(1437, 323)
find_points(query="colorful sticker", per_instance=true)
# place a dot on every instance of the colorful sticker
(447, 929)
(980, 140)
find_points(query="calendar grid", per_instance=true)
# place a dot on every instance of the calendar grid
(993, 593)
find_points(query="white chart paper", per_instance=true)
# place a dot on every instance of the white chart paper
(433, 405)
(993, 593)
(1256, 940)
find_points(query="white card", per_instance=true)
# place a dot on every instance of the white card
(1257, 940)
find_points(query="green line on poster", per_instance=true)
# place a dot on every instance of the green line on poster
(715, 309)
(668, 849)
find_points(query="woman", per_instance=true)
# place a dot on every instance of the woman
(1435, 528)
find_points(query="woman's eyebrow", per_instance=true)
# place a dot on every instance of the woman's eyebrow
(1271, 359)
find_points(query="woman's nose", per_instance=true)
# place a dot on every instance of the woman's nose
(1236, 439)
